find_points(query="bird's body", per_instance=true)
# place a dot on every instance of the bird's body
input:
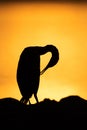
(28, 72)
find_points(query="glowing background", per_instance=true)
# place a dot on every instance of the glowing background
(63, 25)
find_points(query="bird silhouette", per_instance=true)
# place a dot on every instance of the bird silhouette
(28, 69)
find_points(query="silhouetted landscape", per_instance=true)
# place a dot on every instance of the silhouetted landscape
(68, 113)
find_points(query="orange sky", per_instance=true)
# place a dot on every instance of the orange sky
(63, 25)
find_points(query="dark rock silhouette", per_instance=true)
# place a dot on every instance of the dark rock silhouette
(28, 71)
(69, 113)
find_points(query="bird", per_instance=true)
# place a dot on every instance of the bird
(28, 69)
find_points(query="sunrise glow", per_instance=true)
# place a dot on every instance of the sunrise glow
(63, 25)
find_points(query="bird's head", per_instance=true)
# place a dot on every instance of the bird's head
(54, 58)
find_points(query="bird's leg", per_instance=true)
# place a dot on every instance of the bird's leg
(29, 102)
(35, 95)
(22, 100)
(26, 101)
